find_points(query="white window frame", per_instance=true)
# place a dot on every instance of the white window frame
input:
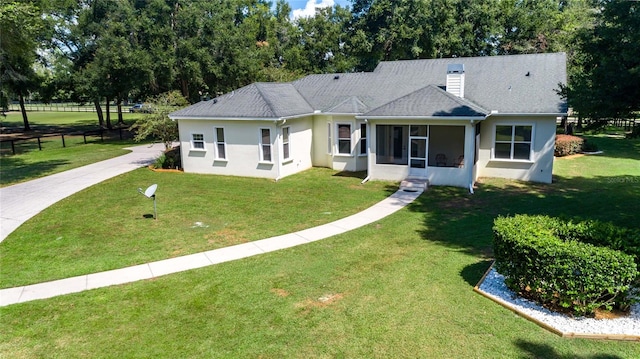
(217, 144)
(363, 139)
(263, 144)
(338, 139)
(512, 142)
(286, 143)
(193, 141)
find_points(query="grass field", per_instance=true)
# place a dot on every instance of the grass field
(29, 162)
(398, 288)
(65, 119)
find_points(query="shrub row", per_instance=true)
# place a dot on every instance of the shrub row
(564, 264)
(568, 145)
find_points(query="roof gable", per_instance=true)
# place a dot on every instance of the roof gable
(430, 101)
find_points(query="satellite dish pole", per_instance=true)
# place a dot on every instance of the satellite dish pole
(151, 193)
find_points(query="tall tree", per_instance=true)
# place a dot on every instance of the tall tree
(606, 83)
(20, 27)
(323, 44)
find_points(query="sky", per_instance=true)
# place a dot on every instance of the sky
(305, 8)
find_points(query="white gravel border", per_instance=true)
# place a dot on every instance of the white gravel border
(627, 328)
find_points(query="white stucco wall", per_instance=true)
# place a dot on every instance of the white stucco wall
(539, 169)
(242, 148)
(301, 140)
(323, 157)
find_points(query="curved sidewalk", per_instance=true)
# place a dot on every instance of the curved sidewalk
(81, 283)
(22, 201)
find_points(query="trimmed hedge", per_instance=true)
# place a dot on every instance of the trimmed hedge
(564, 265)
(568, 145)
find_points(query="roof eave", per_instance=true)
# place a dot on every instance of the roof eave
(528, 114)
(457, 118)
(225, 118)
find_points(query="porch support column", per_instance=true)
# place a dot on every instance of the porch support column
(469, 151)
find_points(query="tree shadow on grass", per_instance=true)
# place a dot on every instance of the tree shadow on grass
(459, 220)
(15, 170)
(474, 272)
(535, 350)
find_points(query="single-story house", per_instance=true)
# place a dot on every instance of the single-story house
(448, 121)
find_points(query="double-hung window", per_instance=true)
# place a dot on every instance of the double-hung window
(221, 146)
(265, 145)
(363, 139)
(513, 142)
(286, 155)
(197, 141)
(344, 138)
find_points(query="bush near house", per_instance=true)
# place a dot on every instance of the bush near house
(170, 159)
(568, 145)
(562, 265)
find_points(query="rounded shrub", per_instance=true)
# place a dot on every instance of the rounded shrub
(562, 264)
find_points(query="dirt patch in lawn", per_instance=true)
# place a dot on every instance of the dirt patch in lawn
(321, 302)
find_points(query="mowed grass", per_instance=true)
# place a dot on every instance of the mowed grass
(398, 288)
(30, 163)
(111, 226)
(55, 118)
(54, 158)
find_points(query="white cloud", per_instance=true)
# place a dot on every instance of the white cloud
(310, 9)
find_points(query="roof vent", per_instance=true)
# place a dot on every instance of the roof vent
(336, 77)
(455, 79)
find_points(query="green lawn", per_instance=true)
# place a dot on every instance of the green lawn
(398, 288)
(110, 225)
(65, 119)
(29, 162)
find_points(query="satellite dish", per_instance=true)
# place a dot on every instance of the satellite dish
(151, 191)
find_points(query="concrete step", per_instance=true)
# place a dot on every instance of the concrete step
(414, 184)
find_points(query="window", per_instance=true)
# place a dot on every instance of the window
(265, 145)
(329, 139)
(344, 138)
(363, 139)
(391, 144)
(285, 144)
(513, 142)
(197, 141)
(221, 146)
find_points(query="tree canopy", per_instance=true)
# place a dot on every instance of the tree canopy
(118, 51)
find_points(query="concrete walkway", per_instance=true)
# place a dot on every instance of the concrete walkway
(22, 201)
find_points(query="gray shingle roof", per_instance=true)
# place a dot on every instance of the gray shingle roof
(507, 84)
(258, 100)
(429, 101)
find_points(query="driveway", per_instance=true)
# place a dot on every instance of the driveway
(22, 201)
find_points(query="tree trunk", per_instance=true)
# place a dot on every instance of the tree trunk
(120, 119)
(108, 114)
(96, 103)
(25, 120)
(184, 86)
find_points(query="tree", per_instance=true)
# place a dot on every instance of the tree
(606, 83)
(323, 45)
(158, 125)
(20, 26)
